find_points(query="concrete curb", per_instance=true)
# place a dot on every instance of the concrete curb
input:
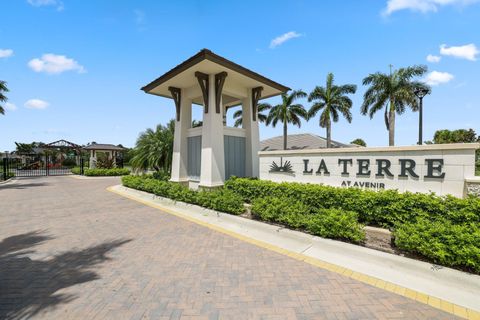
(9, 181)
(447, 289)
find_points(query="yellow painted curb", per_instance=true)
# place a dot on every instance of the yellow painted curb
(434, 302)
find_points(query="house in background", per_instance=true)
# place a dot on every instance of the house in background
(301, 141)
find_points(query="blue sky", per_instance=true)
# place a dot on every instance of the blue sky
(75, 68)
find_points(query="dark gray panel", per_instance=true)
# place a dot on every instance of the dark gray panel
(234, 156)
(194, 157)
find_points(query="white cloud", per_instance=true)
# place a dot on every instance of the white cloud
(283, 38)
(36, 104)
(433, 59)
(42, 3)
(54, 64)
(468, 51)
(10, 106)
(435, 78)
(140, 17)
(5, 53)
(422, 6)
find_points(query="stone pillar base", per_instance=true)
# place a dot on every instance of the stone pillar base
(473, 186)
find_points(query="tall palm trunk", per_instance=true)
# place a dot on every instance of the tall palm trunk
(391, 125)
(285, 134)
(329, 134)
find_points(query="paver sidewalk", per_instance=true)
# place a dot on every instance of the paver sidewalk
(69, 249)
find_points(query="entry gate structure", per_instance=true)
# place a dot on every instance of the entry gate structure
(56, 158)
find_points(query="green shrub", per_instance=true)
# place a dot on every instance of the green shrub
(442, 241)
(218, 199)
(105, 172)
(328, 223)
(383, 208)
(221, 200)
(75, 170)
(69, 162)
(161, 175)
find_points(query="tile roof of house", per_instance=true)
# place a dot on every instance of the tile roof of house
(103, 146)
(300, 141)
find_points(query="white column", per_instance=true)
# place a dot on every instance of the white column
(180, 147)
(93, 159)
(212, 172)
(252, 137)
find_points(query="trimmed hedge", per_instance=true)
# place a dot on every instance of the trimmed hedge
(161, 175)
(219, 199)
(327, 223)
(75, 170)
(102, 172)
(443, 242)
(384, 208)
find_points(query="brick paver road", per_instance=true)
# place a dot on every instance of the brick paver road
(69, 249)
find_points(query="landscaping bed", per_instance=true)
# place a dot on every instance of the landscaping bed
(442, 230)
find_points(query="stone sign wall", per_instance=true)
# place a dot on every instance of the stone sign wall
(442, 169)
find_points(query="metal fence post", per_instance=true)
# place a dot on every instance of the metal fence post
(5, 169)
(81, 165)
(46, 165)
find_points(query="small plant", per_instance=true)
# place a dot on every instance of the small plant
(104, 161)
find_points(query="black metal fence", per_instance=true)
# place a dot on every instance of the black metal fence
(31, 166)
(36, 165)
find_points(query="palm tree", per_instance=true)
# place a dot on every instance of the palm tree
(154, 148)
(332, 100)
(25, 148)
(287, 112)
(261, 107)
(3, 98)
(393, 91)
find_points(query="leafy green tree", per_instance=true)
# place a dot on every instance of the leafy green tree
(394, 92)
(154, 148)
(3, 98)
(359, 142)
(287, 112)
(261, 108)
(331, 100)
(454, 136)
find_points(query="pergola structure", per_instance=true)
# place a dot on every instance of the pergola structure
(64, 144)
(205, 156)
